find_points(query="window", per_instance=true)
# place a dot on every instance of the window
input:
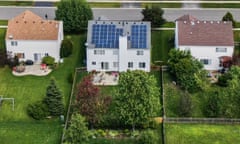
(139, 52)
(104, 65)
(93, 63)
(46, 54)
(142, 65)
(99, 52)
(205, 61)
(130, 64)
(221, 49)
(20, 55)
(14, 43)
(115, 64)
(115, 52)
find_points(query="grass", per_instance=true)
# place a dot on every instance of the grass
(202, 134)
(162, 42)
(168, 25)
(29, 89)
(104, 5)
(112, 141)
(2, 38)
(163, 5)
(30, 132)
(223, 5)
(3, 22)
(16, 3)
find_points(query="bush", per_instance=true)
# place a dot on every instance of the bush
(149, 137)
(48, 60)
(223, 79)
(37, 110)
(66, 48)
(12, 62)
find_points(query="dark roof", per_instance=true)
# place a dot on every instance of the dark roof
(205, 33)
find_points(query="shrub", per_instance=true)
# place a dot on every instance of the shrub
(37, 110)
(66, 48)
(12, 62)
(223, 79)
(149, 137)
(48, 60)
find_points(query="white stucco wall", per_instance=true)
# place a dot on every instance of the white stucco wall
(29, 47)
(209, 52)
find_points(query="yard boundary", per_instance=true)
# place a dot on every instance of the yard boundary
(77, 70)
(202, 120)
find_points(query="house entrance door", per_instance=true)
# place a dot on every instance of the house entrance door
(37, 57)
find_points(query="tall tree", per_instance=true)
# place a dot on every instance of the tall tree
(53, 99)
(137, 97)
(187, 70)
(154, 15)
(90, 102)
(229, 17)
(77, 132)
(74, 14)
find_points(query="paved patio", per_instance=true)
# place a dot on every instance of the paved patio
(33, 70)
(105, 78)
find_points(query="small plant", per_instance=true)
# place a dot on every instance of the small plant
(48, 60)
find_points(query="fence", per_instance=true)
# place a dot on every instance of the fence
(202, 120)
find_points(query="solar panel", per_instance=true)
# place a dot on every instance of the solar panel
(139, 36)
(106, 35)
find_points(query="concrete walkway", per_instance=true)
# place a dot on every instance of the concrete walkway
(33, 70)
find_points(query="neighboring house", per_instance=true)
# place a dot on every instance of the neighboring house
(118, 46)
(208, 41)
(30, 37)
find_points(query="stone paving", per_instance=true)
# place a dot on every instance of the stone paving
(105, 78)
(33, 70)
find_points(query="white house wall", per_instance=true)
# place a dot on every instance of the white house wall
(209, 52)
(29, 47)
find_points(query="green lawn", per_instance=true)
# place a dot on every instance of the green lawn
(29, 89)
(16, 3)
(202, 134)
(30, 132)
(162, 42)
(163, 5)
(3, 22)
(225, 5)
(104, 5)
(112, 141)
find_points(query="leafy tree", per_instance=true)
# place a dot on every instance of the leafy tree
(213, 104)
(77, 132)
(229, 17)
(137, 97)
(3, 57)
(90, 102)
(223, 79)
(66, 48)
(154, 15)
(74, 14)
(53, 99)
(187, 70)
(37, 110)
(185, 105)
(48, 60)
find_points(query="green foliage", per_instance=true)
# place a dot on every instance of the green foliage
(223, 79)
(53, 99)
(37, 110)
(149, 137)
(185, 105)
(66, 48)
(154, 15)
(137, 97)
(12, 62)
(187, 70)
(48, 60)
(229, 17)
(74, 14)
(213, 105)
(3, 57)
(77, 132)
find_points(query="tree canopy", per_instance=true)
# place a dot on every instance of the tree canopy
(154, 15)
(187, 70)
(74, 14)
(229, 17)
(137, 97)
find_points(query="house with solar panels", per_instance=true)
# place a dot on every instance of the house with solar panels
(118, 46)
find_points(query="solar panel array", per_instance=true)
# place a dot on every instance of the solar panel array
(139, 36)
(107, 35)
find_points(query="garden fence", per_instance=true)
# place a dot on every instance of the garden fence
(202, 120)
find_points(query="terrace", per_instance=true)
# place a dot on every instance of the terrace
(105, 78)
(36, 69)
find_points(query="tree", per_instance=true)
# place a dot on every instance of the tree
(77, 132)
(137, 97)
(90, 102)
(187, 70)
(74, 14)
(37, 110)
(3, 57)
(212, 106)
(229, 17)
(185, 105)
(154, 15)
(53, 99)
(66, 48)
